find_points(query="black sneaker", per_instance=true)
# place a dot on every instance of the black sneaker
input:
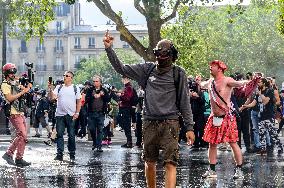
(8, 159)
(72, 158)
(59, 158)
(99, 149)
(22, 163)
(280, 151)
(126, 145)
(48, 142)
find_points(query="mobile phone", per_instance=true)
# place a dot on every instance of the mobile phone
(50, 79)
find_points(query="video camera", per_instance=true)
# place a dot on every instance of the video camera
(26, 79)
(192, 85)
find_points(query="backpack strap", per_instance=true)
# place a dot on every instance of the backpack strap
(176, 76)
(149, 71)
(12, 88)
(74, 87)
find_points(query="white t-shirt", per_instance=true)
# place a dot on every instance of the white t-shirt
(66, 100)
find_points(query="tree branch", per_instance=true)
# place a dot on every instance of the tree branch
(138, 7)
(173, 14)
(106, 9)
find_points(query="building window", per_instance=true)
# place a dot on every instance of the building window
(59, 10)
(92, 42)
(58, 61)
(40, 64)
(40, 61)
(59, 66)
(9, 47)
(58, 27)
(40, 46)
(125, 45)
(77, 42)
(58, 45)
(22, 66)
(23, 46)
(77, 59)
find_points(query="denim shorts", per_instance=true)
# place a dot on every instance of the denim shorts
(161, 135)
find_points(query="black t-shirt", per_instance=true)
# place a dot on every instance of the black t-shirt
(268, 109)
(258, 103)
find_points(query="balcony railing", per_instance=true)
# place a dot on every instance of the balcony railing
(92, 46)
(23, 50)
(40, 67)
(77, 46)
(58, 49)
(58, 67)
(40, 50)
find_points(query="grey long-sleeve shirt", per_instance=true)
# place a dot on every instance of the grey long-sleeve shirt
(160, 92)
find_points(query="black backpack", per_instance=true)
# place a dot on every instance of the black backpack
(134, 99)
(2, 100)
(4, 104)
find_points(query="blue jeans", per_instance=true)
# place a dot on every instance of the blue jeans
(255, 128)
(61, 123)
(96, 125)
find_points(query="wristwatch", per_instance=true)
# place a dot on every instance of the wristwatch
(77, 113)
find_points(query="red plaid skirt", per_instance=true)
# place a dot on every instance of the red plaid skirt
(227, 132)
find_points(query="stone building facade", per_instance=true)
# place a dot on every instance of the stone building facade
(64, 45)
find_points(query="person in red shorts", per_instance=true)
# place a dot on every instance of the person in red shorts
(221, 126)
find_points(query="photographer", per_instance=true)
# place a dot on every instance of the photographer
(96, 100)
(198, 109)
(81, 122)
(41, 112)
(14, 110)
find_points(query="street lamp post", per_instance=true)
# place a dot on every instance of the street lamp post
(4, 39)
(4, 33)
(4, 128)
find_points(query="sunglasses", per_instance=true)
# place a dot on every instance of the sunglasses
(67, 75)
(12, 71)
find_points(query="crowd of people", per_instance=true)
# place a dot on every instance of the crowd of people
(168, 105)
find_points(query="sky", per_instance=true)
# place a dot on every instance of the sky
(91, 15)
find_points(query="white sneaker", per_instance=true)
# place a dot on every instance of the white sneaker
(238, 173)
(210, 174)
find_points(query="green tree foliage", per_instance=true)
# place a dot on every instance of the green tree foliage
(156, 12)
(27, 18)
(244, 37)
(101, 66)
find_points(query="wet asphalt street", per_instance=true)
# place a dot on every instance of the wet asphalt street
(119, 167)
